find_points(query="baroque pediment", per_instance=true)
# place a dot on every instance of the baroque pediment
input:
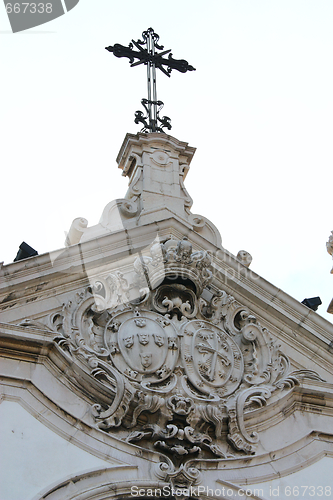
(172, 368)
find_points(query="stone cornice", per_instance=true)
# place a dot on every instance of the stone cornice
(141, 141)
(312, 397)
(68, 269)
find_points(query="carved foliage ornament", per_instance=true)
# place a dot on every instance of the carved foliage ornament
(180, 372)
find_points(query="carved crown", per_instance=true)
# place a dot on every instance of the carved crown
(175, 262)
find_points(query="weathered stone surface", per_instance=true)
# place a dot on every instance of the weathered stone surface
(150, 348)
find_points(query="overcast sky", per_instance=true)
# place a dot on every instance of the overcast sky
(258, 109)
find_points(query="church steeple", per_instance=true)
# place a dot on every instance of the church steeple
(156, 165)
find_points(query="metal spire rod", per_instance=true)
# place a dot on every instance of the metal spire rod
(151, 82)
(152, 59)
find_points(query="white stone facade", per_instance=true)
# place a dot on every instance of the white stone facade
(146, 360)
(329, 246)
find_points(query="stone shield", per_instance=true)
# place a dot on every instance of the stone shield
(140, 345)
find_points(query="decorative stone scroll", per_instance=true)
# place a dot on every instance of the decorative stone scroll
(182, 373)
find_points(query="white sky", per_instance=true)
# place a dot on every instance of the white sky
(258, 109)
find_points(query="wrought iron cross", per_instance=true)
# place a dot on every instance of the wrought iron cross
(152, 59)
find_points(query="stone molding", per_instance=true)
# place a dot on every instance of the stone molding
(148, 345)
(160, 362)
(250, 469)
(70, 349)
(65, 270)
(112, 483)
(312, 397)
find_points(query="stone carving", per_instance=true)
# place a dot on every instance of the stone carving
(176, 440)
(110, 291)
(78, 227)
(181, 372)
(213, 361)
(175, 298)
(174, 258)
(128, 208)
(31, 323)
(180, 405)
(181, 478)
(143, 345)
(159, 157)
(244, 257)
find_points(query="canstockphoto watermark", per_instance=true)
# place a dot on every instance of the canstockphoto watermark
(25, 15)
(194, 491)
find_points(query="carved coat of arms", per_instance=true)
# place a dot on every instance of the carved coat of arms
(141, 345)
(213, 361)
(184, 371)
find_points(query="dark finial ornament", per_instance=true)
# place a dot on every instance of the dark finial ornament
(147, 54)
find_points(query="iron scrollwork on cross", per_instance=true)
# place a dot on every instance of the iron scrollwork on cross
(152, 59)
(153, 124)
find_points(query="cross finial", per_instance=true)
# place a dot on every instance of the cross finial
(147, 54)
